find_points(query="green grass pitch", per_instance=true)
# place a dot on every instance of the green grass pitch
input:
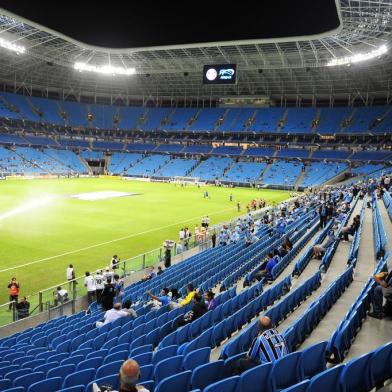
(39, 220)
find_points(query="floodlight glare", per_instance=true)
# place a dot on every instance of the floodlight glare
(104, 69)
(357, 58)
(19, 49)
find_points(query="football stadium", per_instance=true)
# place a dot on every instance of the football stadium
(206, 213)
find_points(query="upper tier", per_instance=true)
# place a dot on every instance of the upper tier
(348, 120)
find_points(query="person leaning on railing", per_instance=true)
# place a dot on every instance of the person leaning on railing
(23, 308)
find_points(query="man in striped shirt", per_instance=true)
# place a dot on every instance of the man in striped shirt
(268, 346)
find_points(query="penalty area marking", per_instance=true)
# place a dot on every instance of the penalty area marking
(108, 242)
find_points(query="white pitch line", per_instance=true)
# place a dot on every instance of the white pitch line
(107, 242)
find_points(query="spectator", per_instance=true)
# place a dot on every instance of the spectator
(108, 275)
(213, 239)
(70, 274)
(119, 288)
(23, 308)
(266, 268)
(175, 296)
(149, 276)
(108, 294)
(160, 270)
(167, 257)
(99, 285)
(320, 249)
(164, 298)
(129, 376)
(350, 229)
(127, 307)
(211, 301)
(287, 244)
(60, 296)
(190, 294)
(89, 283)
(381, 291)
(113, 314)
(268, 346)
(198, 309)
(180, 249)
(114, 263)
(13, 290)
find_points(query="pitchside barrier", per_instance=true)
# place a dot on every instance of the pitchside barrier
(44, 300)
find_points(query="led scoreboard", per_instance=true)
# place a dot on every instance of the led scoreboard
(220, 74)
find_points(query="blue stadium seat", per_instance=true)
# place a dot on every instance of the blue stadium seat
(164, 353)
(76, 388)
(226, 385)
(46, 367)
(259, 375)
(300, 387)
(108, 380)
(355, 376)
(109, 368)
(89, 363)
(328, 380)
(17, 373)
(5, 383)
(380, 365)
(196, 358)
(61, 371)
(168, 367)
(179, 383)
(28, 379)
(313, 360)
(15, 389)
(146, 372)
(207, 374)
(148, 348)
(82, 377)
(143, 359)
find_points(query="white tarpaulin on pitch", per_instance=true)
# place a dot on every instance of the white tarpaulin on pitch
(100, 195)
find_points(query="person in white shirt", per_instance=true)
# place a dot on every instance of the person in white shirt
(89, 283)
(181, 234)
(99, 285)
(70, 273)
(60, 296)
(112, 315)
(114, 262)
(108, 275)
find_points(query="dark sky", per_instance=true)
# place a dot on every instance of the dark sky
(132, 23)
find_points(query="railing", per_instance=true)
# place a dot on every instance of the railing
(45, 300)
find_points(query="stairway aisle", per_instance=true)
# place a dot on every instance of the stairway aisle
(364, 269)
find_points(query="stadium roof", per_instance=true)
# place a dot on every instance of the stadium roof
(291, 68)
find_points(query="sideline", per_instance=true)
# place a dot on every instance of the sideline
(110, 241)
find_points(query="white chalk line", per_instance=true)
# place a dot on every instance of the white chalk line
(108, 242)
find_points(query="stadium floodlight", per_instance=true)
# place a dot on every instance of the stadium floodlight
(19, 49)
(357, 58)
(104, 69)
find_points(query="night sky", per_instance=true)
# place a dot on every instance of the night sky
(121, 24)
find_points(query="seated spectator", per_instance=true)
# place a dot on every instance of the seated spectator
(175, 296)
(268, 346)
(160, 270)
(381, 291)
(149, 276)
(127, 307)
(163, 298)
(350, 229)
(198, 309)
(112, 315)
(211, 301)
(190, 294)
(266, 268)
(287, 244)
(320, 249)
(23, 308)
(129, 376)
(60, 296)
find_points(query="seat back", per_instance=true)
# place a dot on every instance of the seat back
(179, 382)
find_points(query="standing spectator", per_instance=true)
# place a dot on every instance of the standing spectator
(213, 239)
(323, 211)
(181, 234)
(114, 263)
(23, 308)
(13, 290)
(119, 287)
(108, 294)
(70, 274)
(167, 257)
(238, 206)
(90, 285)
(99, 285)
(108, 275)
(179, 247)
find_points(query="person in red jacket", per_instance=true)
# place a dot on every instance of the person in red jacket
(13, 290)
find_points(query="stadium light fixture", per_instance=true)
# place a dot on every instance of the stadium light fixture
(19, 49)
(357, 58)
(104, 69)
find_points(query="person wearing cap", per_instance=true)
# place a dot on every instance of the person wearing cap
(268, 346)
